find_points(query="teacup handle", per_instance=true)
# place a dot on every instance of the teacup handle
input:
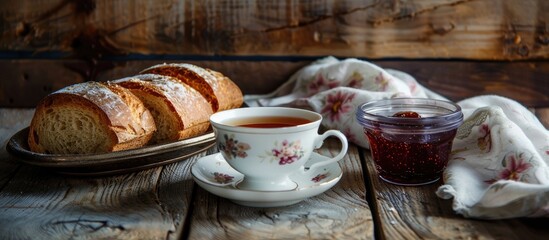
(320, 140)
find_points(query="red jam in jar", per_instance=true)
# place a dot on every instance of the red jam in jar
(410, 139)
(410, 160)
(407, 114)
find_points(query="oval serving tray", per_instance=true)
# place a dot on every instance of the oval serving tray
(109, 163)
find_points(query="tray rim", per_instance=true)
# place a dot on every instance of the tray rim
(116, 171)
(18, 147)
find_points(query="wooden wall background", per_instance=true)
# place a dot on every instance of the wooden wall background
(459, 48)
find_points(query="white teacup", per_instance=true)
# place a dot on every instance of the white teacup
(268, 144)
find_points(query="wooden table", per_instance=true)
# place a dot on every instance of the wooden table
(165, 203)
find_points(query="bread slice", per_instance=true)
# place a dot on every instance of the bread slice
(219, 90)
(179, 111)
(88, 118)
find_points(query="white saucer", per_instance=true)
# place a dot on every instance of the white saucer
(215, 175)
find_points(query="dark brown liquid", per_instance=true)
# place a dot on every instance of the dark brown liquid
(270, 122)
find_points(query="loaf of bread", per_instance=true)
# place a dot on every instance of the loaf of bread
(179, 111)
(90, 117)
(219, 90)
(166, 102)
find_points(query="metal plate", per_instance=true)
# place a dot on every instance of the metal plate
(109, 163)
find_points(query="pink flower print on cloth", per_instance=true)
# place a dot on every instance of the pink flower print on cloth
(285, 153)
(515, 166)
(355, 81)
(484, 142)
(233, 148)
(381, 82)
(330, 73)
(337, 103)
(319, 83)
(497, 168)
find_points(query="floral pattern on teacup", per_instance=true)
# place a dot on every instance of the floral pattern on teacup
(233, 148)
(320, 177)
(222, 178)
(285, 153)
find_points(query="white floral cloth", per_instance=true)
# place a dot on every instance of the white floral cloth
(498, 167)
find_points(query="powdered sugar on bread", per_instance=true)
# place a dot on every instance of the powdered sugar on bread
(88, 118)
(166, 102)
(179, 110)
(218, 89)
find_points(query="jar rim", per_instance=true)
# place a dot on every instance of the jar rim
(446, 115)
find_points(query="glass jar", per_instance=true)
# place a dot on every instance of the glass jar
(407, 149)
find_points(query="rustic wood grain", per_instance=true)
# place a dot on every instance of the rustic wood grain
(150, 204)
(25, 82)
(134, 206)
(525, 82)
(11, 121)
(472, 29)
(174, 192)
(28, 81)
(340, 213)
(417, 213)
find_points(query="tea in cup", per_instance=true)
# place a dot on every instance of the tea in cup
(410, 138)
(268, 144)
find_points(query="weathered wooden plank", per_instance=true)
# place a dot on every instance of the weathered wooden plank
(340, 213)
(526, 82)
(11, 121)
(59, 207)
(150, 204)
(174, 192)
(25, 82)
(472, 29)
(417, 213)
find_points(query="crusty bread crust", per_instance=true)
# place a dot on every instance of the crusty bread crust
(179, 110)
(90, 117)
(167, 102)
(227, 92)
(134, 131)
(219, 90)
